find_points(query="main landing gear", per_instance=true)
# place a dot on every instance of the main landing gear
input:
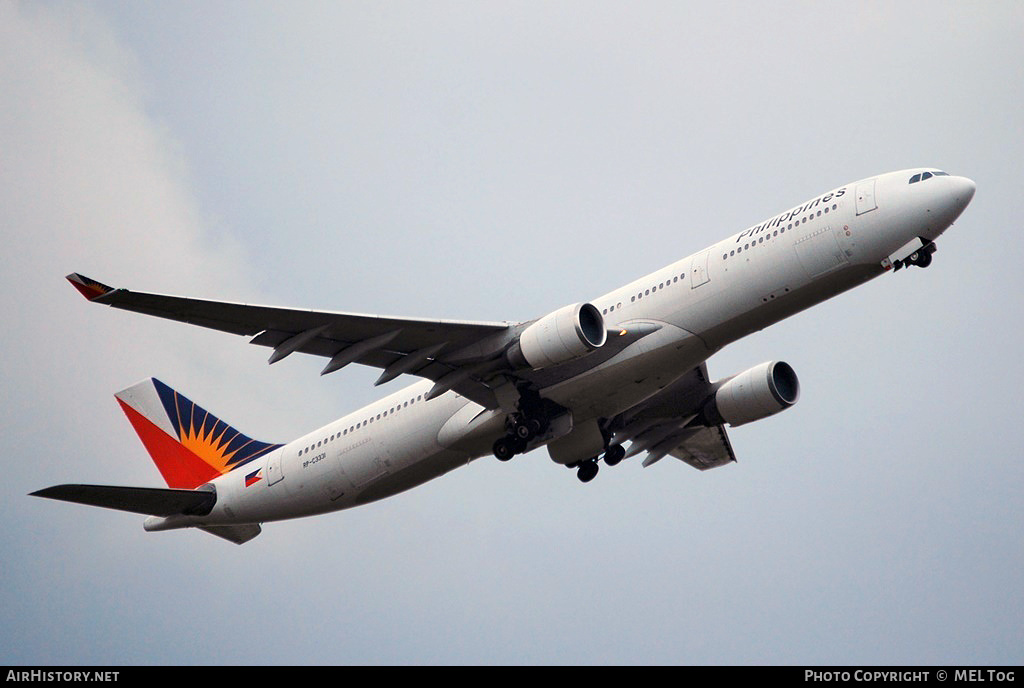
(541, 419)
(533, 418)
(587, 470)
(521, 429)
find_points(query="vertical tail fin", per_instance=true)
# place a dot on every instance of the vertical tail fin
(189, 445)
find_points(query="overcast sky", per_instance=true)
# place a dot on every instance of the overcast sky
(495, 161)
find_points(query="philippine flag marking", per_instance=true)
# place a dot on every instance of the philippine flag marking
(254, 478)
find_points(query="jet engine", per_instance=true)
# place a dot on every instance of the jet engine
(757, 393)
(560, 336)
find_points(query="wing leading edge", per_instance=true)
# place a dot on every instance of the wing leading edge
(457, 355)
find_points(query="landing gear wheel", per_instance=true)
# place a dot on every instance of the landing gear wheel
(587, 471)
(503, 449)
(523, 431)
(922, 257)
(614, 454)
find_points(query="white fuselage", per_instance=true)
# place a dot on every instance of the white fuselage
(703, 302)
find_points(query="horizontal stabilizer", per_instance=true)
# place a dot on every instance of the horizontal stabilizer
(139, 500)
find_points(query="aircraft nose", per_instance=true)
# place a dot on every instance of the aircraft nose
(963, 192)
(954, 195)
(965, 189)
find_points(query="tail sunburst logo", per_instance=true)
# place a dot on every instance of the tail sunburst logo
(215, 442)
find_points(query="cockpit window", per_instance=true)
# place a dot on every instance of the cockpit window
(921, 176)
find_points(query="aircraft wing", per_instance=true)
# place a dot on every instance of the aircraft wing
(707, 448)
(457, 355)
(663, 426)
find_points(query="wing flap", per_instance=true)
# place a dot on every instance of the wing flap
(706, 448)
(664, 425)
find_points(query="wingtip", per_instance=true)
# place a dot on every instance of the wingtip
(52, 492)
(89, 288)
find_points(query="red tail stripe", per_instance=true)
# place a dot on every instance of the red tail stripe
(180, 467)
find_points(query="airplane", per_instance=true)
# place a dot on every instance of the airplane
(585, 381)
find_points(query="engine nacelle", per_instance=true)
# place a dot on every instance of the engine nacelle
(558, 337)
(762, 391)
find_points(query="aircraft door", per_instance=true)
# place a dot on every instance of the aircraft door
(865, 197)
(274, 472)
(699, 270)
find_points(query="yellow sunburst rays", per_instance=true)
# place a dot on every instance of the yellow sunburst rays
(201, 440)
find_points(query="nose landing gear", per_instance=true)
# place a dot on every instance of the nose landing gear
(920, 258)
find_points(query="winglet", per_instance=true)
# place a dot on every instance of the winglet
(89, 288)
